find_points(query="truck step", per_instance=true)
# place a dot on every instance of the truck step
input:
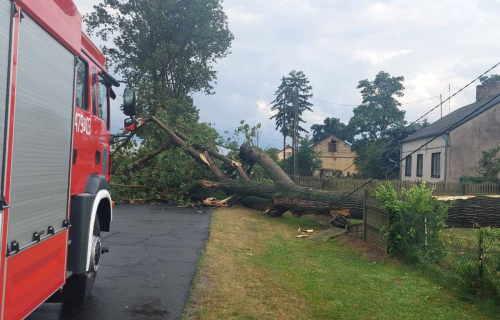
(68, 274)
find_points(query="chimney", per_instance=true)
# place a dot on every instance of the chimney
(487, 90)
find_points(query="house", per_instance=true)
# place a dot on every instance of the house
(288, 153)
(461, 137)
(337, 157)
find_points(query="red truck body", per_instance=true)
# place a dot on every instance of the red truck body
(56, 161)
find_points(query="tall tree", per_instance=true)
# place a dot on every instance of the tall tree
(283, 104)
(166, 49)
(378, 124)
(379, 110)
(330, 126)
(283, 116)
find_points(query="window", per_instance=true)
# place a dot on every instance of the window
(408, 166)
(81, 85)
(102, 111)
(332, 146)
(94, 91)
(436, 165)
(420, 165)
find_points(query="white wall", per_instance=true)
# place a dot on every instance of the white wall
(435, 146)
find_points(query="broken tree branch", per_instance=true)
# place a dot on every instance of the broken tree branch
(141, 123)
(152, 154)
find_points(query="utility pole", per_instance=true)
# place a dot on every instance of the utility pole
(441, 98)
(257, 138)
(295, 131)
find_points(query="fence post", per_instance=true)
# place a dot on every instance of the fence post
(365, 225)
(480, 255)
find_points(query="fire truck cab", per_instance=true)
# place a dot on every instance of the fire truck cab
(54, 155)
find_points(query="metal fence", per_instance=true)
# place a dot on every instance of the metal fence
(465, 252)
(469, 253)
(375, 222)
(440, 188)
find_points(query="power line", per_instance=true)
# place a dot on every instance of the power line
(453, 126)
(449, 99)
(335, 103)
(419, 101)
(356, 105)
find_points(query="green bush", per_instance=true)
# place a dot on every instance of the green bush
(415, 220)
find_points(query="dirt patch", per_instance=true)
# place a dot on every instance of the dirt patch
(200, 284)
(372, 252)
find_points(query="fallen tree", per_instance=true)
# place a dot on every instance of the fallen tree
(274, 199)
(283, 194)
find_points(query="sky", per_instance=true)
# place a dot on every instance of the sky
(337, 43)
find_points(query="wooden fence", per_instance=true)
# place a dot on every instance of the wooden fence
(375, 222)
(440, 188)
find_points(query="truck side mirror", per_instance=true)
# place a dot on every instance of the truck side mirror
(130, 124)
(129, 107)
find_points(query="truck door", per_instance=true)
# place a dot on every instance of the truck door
(83, 157)
(100, 127)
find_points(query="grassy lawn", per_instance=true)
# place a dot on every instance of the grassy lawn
(255, 268)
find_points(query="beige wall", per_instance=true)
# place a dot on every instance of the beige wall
(288, 153)
(470, 139)
(435, 146)
(340, 160)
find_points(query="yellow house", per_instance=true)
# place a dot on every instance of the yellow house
(337, 158)
(288, 153)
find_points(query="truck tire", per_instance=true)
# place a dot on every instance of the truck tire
(79, 286)
(95, 258)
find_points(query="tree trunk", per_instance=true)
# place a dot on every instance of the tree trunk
(250, 155)
(478, 211)
(298, 200)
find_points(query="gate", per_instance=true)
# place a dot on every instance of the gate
(375, 222)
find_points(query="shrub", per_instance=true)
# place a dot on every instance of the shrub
(415, 220)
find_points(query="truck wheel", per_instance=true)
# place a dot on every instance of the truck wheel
(79, 286)
(95, 259)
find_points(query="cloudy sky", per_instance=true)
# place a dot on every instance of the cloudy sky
(337, 43)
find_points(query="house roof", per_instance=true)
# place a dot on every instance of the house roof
(287, 147)
(329, 137)
(456, 117)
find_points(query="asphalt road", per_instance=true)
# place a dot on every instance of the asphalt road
(154, 251)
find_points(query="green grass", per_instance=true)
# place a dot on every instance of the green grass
(276, 276)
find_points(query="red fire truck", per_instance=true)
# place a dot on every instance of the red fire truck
(54, 155)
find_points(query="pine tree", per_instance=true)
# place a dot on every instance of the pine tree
(283, 104)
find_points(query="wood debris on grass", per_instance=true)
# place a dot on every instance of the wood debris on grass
(214, 202)
(304, 231)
